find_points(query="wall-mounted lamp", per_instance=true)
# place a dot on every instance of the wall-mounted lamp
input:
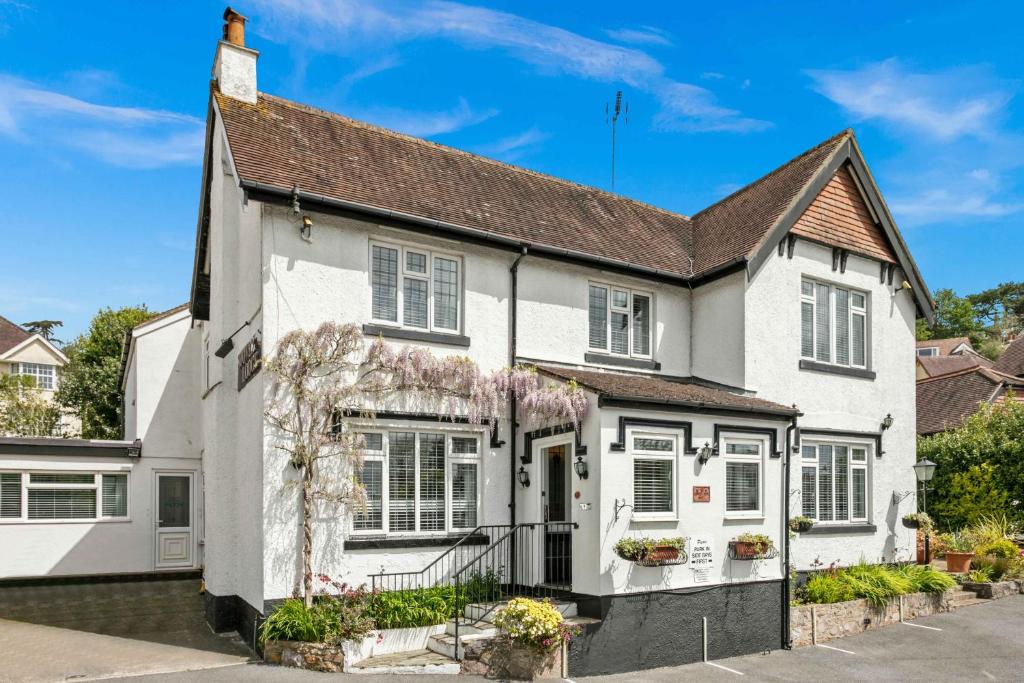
(225, 348)
(306, 231)
(135, 450)
(581, 467)
(524, 477)
(887, 421)
(705, 453)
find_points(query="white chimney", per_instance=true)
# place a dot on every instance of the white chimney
(234, 68)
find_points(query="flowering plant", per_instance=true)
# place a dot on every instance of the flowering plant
(535, 623)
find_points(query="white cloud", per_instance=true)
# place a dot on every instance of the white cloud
(124, 136)
(514, 146)
(346, 26)
(942, 204)
(945, 105)
(426, 124)
(645, 35)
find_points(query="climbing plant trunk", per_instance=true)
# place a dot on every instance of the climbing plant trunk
(307, 535)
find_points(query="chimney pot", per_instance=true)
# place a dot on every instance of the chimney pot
(234, 27)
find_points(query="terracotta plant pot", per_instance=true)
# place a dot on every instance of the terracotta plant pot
(748, 550)
(920, 555)
(663, 553)
(958, 563)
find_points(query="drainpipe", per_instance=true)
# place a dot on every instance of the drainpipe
(514, 303)
(791, 435)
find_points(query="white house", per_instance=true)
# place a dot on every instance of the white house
(744, 365)
(35, 356)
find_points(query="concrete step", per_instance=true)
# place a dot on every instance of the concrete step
(444, 643)
(412, 662)
(472, 628)
(484, 611)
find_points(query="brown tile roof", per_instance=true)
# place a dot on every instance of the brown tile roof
(944, 401)
(945, 346)
(10, 335)
(737, 224)
(283, 144)
(1012, 360)
(941, 365)
(649, 388)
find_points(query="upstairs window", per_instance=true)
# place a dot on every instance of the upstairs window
(43, 375)
(620, 321)
(415, 288)
(834, 482)
(833, 324)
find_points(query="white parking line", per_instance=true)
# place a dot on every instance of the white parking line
(725, 668)
(837, 649)
(930, 628)
(988, 675)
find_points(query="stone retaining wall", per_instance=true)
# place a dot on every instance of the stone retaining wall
(315, 656)
(994, 591)
(811, 624)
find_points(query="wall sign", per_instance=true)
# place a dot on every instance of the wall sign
(702, 558)
(250, 360)
(701, 494)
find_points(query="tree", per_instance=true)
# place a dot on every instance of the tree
(44, 328)
(954, 317)
(320, 377)
(24, 411)
(980, 465)
(88, 383)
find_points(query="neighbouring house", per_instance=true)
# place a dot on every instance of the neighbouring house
(1011, 362)
(23, 353)
(743, 365)
(940, 356)
(945, 400)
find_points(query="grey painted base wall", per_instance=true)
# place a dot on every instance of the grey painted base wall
(232, 613)
(650, 630)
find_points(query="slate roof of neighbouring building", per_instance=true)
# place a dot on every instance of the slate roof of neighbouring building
(620, 385)
(11, 335)
(283, 144)
(944, 401)
(1012, 360)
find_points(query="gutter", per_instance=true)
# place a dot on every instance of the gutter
(699, 406)
(792, 439)
(285, 195)
(513, 332)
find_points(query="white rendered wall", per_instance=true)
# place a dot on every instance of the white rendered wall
(718, 330)
(33, 549)
(839, 402)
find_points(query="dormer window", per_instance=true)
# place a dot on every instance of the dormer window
(928, 351)
(620, 320)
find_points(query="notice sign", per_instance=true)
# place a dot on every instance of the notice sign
(702, 558)
(701, 494)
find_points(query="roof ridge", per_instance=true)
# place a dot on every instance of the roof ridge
(512, 167)
(846, 132)
(14, 324)
(987, 372)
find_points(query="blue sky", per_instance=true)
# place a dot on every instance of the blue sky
(102, 108)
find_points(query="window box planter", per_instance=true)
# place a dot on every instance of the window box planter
(958, 563)
(647, 552)
(662, 555)
(800, 524)
(752, 547)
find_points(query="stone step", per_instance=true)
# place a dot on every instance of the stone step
(444, 643)
(412, 662)
(472, 628)
(484, 611)
(967, 603)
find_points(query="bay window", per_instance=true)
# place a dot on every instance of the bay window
(654, 458)
(833, 324)
(63, 496)
(834, 482)
(619, 320)
(743, 465)
(415, 288)
(418, 482)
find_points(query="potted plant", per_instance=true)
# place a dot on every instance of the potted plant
(750, 546)
(917, 520)
(800, 524)
(959, 551)
(535, 637)
(651, 552)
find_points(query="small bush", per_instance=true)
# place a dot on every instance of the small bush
(827, 588)
(980, 575)
(292, 621)
(334, 617)
(431, 606)
(926, 579)
(534, 623)
(875, 583)
(1014, 569)
(1003, 548)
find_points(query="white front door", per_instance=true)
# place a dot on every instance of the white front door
(174, 513)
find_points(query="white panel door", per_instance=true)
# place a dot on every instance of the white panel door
(174, 514)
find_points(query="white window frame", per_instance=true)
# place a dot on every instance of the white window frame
(851, 465)
(759, 459)
(96, 485)
(643, 454)
(610, 306)
(932, 351)
(404, 273)
(22, 370)
(852, 312)
(450, 460)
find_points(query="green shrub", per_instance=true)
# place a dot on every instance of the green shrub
(1003, 548)
(875, 583)
(926, 579)
(980, 575)
(293, 621)
(827, 588)
(430, 606)
(1014, 569)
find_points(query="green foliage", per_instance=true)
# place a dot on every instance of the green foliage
(1003, 549)
(429, 606)
(293, 621)
(24, 411)
(982, 575)
(800, 522)
(827, 588)
(875, 583)
(926, 579)
(922, 519)
(1014, 569)
(762, 542)
(638, 549)
(44, 328)
(987, 317)
(955, 317)
(957, 542)
(89, 381)
(980, 467)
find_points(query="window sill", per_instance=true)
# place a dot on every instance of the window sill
(390, 542)
(836, 529)
(636, 519)
(621, 361)
(744, 518)
(836, 369)
(416, 335)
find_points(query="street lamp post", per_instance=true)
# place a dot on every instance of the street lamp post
(924, 470)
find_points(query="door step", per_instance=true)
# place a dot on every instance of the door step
(412, 662)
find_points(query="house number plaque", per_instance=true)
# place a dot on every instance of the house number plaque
(701, 494)
(250, 359)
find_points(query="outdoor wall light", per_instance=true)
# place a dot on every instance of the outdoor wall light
(887, 421)
(225, 348)
(524, 477)
(306, 231)
(705, 453)
(581, 467)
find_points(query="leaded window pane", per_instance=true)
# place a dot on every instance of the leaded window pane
(860, 492)
(808, 492)
(385, 283)
(620, 332)
(446, 293)
(825, 483)
(414, 302)
(641, 325)
(842, 487)
(598, 317)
